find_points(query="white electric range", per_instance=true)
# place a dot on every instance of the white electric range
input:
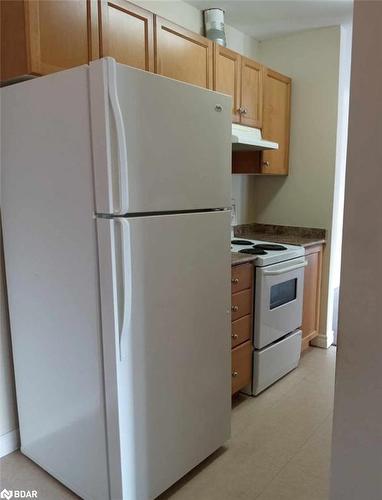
(278, 300)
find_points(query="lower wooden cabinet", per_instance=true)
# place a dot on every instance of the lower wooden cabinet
(242, 325)
(241, 366)
(241, 330)
(312, 293)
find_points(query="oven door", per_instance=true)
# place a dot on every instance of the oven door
(278, 300)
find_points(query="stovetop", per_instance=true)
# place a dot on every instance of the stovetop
(266, 253)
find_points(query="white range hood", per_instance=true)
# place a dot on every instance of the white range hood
(248, 138)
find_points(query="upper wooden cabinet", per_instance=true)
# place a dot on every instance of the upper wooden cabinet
(276, 122)
(251, 93)
(242, 79)
(227, 69)
(127, 34)
(43, 36)
(182, 54)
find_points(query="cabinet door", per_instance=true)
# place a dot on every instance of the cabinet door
(127, 34)
(241, 366)
(227, 76)
(182, 54)
(251, 93)
(43, 36)
(312, 292)
(276, 121)
(60, 34)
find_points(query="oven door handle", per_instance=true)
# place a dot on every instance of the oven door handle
(285, 269)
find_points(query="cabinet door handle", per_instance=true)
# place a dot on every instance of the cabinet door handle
(266, 164)
(235, 280)
(234, 374)
(234, 308)
(242, 110)
(235, 336)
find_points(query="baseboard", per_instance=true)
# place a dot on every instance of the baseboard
(9, 442)
(324, 341)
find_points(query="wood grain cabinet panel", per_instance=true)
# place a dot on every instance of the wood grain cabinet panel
(227, 69)
(241, 304)
(182, 54)
(276, 122)
(242, 79)
(44, 36)
(242, 325)
(251, 93)
(312, 293)
(241, 366)
(241, 330)
(127, 34)
(241, 277)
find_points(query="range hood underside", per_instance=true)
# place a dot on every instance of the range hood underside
(249, 139)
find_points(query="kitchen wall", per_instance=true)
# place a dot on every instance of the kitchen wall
(305, 197)
(357, 429)
(192, 18)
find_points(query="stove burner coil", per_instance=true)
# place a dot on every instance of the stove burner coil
(241, 242)
(270, 246)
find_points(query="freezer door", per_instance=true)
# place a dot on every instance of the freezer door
(159, 144)
(165, 292)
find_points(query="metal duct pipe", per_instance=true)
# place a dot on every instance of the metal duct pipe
(214, 25)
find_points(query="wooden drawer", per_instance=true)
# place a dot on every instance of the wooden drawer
(241, 330)
(241, 304)
(241, 366)
(241, 277)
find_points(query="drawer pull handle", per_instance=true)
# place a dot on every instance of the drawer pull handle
(235, 336)
(235, 308)
(234, 374)
(235, 280)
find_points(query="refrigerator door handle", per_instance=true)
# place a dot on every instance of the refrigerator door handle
(127, 286)
(121, 141)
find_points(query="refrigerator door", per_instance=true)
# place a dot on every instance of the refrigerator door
(166, 144)
(51, 256)
(165, 296)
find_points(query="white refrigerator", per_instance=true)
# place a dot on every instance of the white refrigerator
(116, 188)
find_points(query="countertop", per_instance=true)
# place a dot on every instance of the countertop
(241, 258)
(291, 235)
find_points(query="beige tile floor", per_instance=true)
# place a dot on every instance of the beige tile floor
(279, 448)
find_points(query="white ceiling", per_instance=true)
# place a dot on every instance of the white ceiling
(265, 19)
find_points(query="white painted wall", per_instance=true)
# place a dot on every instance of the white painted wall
(305, 197)
(357, 431)
(191, 18)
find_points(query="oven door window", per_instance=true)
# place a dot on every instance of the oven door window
(282, 293)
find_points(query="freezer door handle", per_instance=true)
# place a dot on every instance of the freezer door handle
(127, 285)
(121, 137)
(285, 269)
